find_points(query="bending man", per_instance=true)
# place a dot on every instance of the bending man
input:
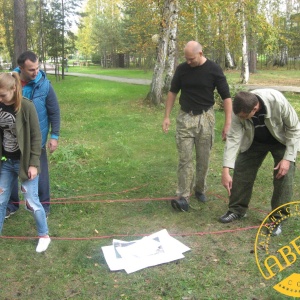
(263, 122)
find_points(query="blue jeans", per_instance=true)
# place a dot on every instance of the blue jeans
(8, 175)
(44, 187)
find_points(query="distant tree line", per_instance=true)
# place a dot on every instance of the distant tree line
(151, 34)
(43, 26)
(120, 32)
(113, 27)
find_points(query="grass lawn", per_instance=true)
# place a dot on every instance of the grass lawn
(274, 76)
(114, 160)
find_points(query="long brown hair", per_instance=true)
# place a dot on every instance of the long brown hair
(10, 81)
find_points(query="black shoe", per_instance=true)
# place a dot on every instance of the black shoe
(229, 217)
(180, 204)
(9, 213)
(201, 197)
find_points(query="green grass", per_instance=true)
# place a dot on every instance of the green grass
(112, 148)
(273, 76)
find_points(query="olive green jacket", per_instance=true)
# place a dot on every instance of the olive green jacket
(28, 137)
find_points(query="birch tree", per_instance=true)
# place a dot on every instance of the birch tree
(245, 64)
(156, 90)
(172, 49)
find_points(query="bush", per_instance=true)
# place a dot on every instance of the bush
(234, 89)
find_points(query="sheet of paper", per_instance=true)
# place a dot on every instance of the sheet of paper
(158, 248)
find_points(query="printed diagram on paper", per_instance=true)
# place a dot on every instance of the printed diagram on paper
(158, 248)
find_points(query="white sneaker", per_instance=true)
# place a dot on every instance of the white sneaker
(275, 229)
(43, 244)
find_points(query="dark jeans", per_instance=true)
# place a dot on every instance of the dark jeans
(44, 187)
(245, 171)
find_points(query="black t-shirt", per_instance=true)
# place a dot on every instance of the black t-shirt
(197, 85)
(261, 132)
(10, 146)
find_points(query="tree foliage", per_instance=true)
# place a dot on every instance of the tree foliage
(48, 22)
(6, 27)
(114, 27)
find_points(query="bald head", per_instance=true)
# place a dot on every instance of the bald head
(193, 46)
(193, 54)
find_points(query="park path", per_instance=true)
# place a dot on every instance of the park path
(109, 78)
(281, 88)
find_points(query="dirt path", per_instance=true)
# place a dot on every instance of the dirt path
(294, 89)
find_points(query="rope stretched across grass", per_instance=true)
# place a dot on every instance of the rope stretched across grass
(70, 201)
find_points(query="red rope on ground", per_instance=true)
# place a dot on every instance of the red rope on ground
(109, 200)
(101, 194)
(127, 200)
(132, 235)
(54, 200)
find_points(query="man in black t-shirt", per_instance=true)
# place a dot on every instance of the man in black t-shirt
(197, 78)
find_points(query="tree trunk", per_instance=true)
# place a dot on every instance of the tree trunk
(245, 67)
(155, 94)
(41, 37)
(63, 40)
(170, 65)
(229, 60)
(20, 29)
(253, 60)
(252, 42)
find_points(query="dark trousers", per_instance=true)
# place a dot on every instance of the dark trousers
(44, 187)
(245, 171)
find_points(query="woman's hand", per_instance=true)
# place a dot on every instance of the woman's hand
(32, 172)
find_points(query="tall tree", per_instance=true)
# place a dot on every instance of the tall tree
(83, 43)
(156, 89)
(41, 36)
(245, 63)
(252, 34)
(20, 29)
(101, 32)
(139, 25)
(172, 45)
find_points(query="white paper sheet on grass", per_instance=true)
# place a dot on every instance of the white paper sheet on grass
(158, 248)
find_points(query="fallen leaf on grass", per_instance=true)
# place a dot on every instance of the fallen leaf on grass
(262, 284)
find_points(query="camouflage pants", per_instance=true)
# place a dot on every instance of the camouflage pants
(193, 131)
